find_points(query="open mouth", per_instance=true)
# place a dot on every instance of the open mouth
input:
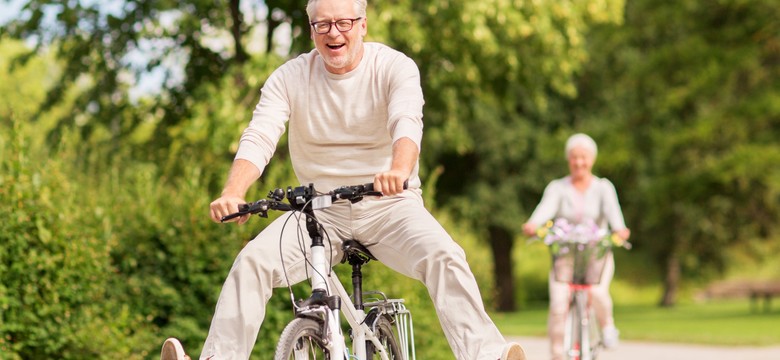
(336, 46)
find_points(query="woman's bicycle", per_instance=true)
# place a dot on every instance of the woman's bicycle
(380, 327)
(579, 254)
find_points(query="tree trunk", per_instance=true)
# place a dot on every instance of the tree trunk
(672, 279)
(236, 29)
(501, 242)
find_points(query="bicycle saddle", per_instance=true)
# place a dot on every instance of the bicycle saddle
(355, 253)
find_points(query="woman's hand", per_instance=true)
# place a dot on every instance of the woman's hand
(529, 229)
(624, 234)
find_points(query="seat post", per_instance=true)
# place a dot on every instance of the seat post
(356, 255)
(357, 285)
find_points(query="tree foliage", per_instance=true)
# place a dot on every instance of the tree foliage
(55, 278)
(686, 95)
(497, 77)
(151, 165)
(105, 192)
(189, 46)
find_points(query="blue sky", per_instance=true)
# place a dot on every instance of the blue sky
(149, 83)
(9, 9)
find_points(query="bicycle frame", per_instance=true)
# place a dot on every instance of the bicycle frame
(362, 332)
(327, 282)
(580, 265)
(578, 338)
(355, 314)
(579, 254)
(329, 299)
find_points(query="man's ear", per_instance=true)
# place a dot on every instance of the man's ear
(364, 27)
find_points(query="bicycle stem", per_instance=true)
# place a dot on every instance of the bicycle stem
(319, 267)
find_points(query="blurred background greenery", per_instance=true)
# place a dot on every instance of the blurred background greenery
(119, 120)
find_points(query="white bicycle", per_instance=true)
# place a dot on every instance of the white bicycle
(579, 253)
(380, 327)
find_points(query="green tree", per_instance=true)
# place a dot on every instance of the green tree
(55, 285)
(106, 49)
(686, 94)
(152, 164)
(497, 78)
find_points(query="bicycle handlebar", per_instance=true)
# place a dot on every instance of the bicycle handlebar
(562, 232)
(303, 198)
(258, 207)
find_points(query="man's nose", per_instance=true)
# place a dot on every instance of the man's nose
(333, 31)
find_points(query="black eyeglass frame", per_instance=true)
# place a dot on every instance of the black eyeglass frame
(331, 23)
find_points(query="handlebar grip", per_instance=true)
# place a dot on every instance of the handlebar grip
(370, 186)
(231, 216)
(243, 209)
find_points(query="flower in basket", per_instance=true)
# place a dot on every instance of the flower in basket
(616, 240)
(561, 231)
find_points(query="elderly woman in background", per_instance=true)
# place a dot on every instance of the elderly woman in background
(580, 197)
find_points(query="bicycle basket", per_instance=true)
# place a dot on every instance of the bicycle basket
(579, 263)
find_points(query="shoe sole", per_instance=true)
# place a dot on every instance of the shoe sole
(172, 350)
(514, 352)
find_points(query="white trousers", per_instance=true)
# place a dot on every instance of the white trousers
(398, 231)
(560, 295)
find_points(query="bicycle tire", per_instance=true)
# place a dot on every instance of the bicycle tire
(596, 338)
(386, 335)
(573, 332)
(302, 339)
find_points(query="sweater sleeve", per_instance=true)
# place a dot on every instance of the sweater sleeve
(611, 206)
(258, 141)
(405, 101)
(549, 205)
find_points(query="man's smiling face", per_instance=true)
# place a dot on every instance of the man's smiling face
(341, 51)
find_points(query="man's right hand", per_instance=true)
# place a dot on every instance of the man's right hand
(242, 175)
(226, 205)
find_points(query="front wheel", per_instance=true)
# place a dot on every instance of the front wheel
(572, 339)
(302, 340)
(387, 337)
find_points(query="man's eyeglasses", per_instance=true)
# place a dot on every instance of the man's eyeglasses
(342, 25)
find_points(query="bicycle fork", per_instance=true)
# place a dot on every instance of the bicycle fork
(581, 348)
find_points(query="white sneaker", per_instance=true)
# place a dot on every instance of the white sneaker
(172, 350)
(610, 336)
(513, 351)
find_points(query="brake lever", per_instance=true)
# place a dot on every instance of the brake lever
(259, 207)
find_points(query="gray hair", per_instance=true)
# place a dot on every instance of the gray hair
(360, 8)
(581, 140)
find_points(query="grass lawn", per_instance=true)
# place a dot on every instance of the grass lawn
(720, 323)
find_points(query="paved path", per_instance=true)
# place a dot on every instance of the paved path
(537, 349)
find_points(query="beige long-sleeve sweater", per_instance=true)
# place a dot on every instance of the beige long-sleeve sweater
(341, 127)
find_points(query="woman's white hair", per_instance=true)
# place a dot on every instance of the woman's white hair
(581, 140)
(360, 8)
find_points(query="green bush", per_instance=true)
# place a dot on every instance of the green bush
(54, 263)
